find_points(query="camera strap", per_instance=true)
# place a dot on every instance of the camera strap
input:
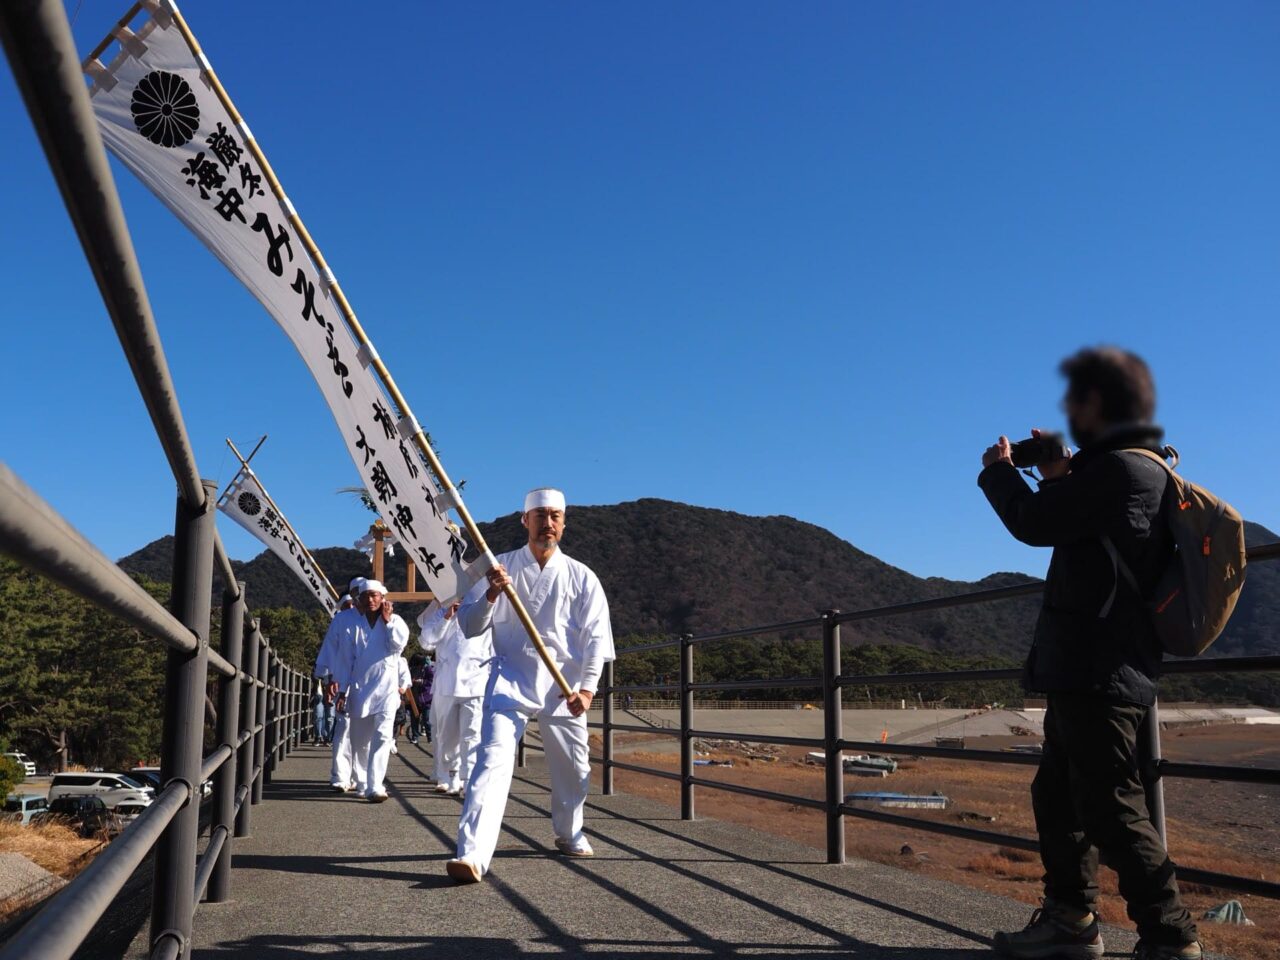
(1119, 569)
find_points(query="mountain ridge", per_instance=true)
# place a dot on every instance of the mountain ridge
(720, 570)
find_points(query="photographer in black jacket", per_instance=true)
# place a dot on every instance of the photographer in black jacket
(1096, 657)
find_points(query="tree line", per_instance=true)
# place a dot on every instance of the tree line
(78, 686)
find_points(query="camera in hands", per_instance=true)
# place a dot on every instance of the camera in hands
(1035, 451)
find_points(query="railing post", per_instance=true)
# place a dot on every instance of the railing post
(248, 720)
(291, 699)
(224, 789)
(283, 702)
(273, 716)
(1149, 754)
(298, 718)
(182, 739)
(833, 733)
(306, 716)
(300, 707)
(686, 726)
(260, 741)
(606, 773)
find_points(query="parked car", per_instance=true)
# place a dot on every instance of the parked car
(111, 788)
(148, 776)
(128, 810)
(21, 807)
(152, 778)
(25, 762)
(87, 814)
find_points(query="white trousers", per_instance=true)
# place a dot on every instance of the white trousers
(457, 737)
(565, 741)
(340, 772)
(371, 738)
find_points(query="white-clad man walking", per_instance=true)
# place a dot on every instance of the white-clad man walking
(340, 741)
(568, 607)
(367, 673)
(462, 674)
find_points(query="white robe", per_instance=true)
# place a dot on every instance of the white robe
(462, 662)
(328, 648)
(404, 680)
(569, 609)
(340, 773)
(364, 663)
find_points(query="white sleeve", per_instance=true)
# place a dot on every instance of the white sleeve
(397, 635)
(323, 666)
(432, 624)
(476, 613)
(590, 612)
(342, 660)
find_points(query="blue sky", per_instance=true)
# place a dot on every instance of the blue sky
(806, 259)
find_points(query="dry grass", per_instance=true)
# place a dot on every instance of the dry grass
(53, 846)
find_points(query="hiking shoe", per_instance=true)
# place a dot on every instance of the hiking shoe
(579, 849)
(462, 871)
(1054, 931)
(1164, 951)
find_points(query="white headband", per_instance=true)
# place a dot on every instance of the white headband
(545, 497)
(372, 586)
(345, 598)
(355, 586)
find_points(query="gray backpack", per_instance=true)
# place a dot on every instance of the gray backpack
(1197, 593)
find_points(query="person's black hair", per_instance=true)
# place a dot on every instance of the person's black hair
(1121, 378)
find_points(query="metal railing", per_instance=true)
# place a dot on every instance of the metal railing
(832, 681)
(261, 709)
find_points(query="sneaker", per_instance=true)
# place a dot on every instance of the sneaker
(457, 788)
(579, 849)
(1054, 931)
(377, 798)
(339, 788)
(462, 871)
(1157, 951)
(442, 787)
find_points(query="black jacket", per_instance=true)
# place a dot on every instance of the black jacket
(1107, 493)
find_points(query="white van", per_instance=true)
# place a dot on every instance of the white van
(112, 788)
(25, 762)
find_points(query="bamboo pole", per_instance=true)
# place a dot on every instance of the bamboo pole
(244, 465)
(348, 314)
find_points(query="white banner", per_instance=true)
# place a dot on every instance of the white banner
(160, 117)
(247, 503)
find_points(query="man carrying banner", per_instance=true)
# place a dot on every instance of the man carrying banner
(340, 737)
(569, 609)
(366, 669)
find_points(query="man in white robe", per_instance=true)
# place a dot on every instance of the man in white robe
(568, 607)
(340, 738)
(403, 682)
(369, 646)
(462, 674)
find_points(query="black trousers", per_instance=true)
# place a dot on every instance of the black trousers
(1089, 801)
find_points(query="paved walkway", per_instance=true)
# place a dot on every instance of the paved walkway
(326, 875)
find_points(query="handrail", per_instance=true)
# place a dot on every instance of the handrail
(834, 743)
(59, 928)
(33, 533)
(40, 50)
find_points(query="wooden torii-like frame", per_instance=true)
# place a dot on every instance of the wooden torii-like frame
(380, 534)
